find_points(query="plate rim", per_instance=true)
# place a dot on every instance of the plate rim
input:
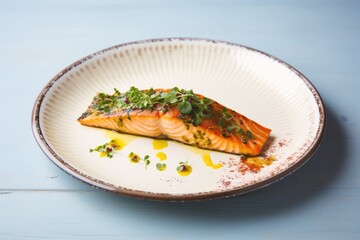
(99, 184)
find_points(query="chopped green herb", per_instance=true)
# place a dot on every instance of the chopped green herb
(230, 128)
(249, 134)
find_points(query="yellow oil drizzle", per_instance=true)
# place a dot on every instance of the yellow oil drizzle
(205, 154)
(120, 140)
(159, 144)
(208, 162)
(117, 143)
(186, 171)
(161, 155)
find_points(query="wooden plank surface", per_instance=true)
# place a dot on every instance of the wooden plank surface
(319, 201)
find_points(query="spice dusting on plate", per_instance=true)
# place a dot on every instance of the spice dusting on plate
(255, 164)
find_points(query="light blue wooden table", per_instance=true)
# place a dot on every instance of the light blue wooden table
(319, 38)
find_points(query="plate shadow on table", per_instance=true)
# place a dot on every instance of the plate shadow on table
(295, 191)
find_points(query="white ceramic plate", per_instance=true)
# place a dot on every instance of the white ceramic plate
(249, 81)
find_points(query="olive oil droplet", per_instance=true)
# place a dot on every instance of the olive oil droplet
(161, 155)
(159, 144)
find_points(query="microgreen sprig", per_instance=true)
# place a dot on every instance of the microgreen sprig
(146, 161)
(182, 166)
(192, 108)
(136, 158)
(107, 149)
(161, 166)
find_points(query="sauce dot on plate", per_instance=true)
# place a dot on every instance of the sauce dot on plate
(161, 155)
(159, 144)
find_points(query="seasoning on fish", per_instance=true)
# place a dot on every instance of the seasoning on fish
(177, 114)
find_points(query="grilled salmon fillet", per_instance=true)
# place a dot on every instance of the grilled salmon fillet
(179, 115)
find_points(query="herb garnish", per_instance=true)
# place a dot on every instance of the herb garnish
(146, 161)
(161, 166)
(184, 169)
(192, 108)
(183, 166)
(136, 158)
(106, 149)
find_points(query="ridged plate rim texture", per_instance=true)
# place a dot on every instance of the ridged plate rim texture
(51, 154)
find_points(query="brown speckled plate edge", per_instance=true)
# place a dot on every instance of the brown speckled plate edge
(50, 153)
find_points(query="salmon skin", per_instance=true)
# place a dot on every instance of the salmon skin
(177, 114)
